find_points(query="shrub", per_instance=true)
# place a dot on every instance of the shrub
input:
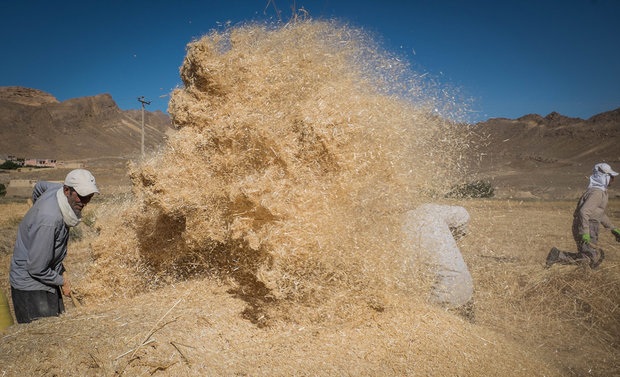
(2, 190)
(476, 189)
(9, 165)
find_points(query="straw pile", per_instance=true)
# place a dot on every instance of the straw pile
(295, 156)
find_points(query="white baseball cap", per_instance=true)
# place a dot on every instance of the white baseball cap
(82, 181)
(606, 169)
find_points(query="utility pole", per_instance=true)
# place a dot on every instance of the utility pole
(143, 102)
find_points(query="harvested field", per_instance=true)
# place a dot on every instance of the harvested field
(265, 237)
(526, 320)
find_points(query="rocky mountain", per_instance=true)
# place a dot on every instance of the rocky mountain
(25, 96)
(544, 157)
(34, 124)
(529, 157)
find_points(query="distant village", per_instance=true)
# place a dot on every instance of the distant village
(40, 163)
(22, 188)
(34, 162)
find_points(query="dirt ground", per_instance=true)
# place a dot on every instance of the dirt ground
(526, 320)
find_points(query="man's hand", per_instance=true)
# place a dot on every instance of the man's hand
(585, 238)
(616, 233)
(66, 287)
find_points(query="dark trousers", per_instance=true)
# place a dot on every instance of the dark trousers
(31, 305)
(587, 252)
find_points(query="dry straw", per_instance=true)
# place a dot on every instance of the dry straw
(277, 208)
(295, 156)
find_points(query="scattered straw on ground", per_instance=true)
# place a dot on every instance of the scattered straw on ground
(296, 155)
(264, 238)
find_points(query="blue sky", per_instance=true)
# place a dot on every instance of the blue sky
(510, 58)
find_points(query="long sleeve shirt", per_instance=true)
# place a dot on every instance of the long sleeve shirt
(591, 207)
(41, 244)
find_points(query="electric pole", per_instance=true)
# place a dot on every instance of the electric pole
(143, 102)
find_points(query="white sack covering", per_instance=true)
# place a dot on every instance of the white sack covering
(429, 233)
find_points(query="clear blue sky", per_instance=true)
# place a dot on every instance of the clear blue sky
(512, 57)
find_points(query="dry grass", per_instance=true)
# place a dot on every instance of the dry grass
(265, 238)
(571, 311)
(527, 320)
(12, 213)
(293, 163)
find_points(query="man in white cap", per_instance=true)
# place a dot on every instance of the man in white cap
(588, 216)
(37, 274)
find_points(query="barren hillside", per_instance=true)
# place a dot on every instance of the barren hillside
(33, 124)
(544, 157)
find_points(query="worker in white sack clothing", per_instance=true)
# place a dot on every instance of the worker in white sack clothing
(588, 216)
(37, 275)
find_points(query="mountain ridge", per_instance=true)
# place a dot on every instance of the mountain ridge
(34, 124)
(544, 157)
(529, 157)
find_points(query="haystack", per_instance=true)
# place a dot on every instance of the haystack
(296, 154)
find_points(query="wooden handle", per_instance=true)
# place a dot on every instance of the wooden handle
(76, 303)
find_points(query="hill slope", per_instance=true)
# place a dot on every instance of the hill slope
(34, 124)
(545, 157)
(529, 157)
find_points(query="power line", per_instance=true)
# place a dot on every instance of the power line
(143, 102)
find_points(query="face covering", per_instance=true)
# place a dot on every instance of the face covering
(598, 179)
(68, 215)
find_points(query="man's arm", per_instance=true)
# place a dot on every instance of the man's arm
(606, 222)
(41, 186)
(40, 255)
(589, 205)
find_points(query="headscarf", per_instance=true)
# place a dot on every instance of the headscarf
(68, 215)
(598, 179)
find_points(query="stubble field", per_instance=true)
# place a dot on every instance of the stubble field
(266, 237)
(526, 320)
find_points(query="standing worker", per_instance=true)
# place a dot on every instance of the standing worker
(37, 275)
(588, 216)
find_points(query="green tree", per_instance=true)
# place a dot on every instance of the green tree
(476, 189)
(9, 165)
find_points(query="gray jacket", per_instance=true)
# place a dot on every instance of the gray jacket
(41, 244)
(591, 208)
